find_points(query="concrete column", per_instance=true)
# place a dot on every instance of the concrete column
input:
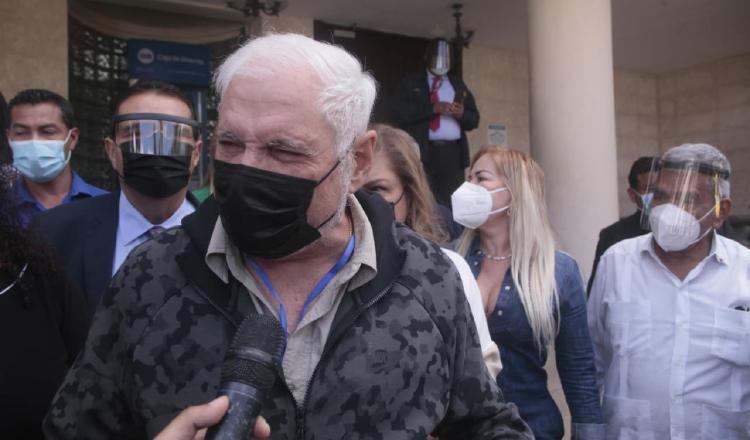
(34, 35)
(573, 118)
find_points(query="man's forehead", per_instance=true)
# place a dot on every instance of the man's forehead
(43, 113)
(252, 109)
(154, 103)
(673, 179)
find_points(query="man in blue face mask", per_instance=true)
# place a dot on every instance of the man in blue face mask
(42, 135)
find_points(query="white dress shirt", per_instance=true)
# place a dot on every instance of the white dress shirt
(673, 356)
(449, 129)
(132, 228)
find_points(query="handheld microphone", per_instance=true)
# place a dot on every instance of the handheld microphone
(248, 373)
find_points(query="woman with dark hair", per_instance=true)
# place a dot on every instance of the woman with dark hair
(43, 322)
(6, 156)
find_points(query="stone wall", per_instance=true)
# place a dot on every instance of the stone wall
(34, 35)
(711, 103)
(637, 125)
(499, 80)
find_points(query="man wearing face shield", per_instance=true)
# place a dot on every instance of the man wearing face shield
(153, 148)
(669, 312)
(436, 108)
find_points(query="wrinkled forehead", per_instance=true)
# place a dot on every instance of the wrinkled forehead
(287, 106)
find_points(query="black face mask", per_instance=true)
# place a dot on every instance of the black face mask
(265, 213)
(393, 204)
(155, 176)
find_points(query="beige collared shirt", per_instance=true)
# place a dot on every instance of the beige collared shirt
(305, 344)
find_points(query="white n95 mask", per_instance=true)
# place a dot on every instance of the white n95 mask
(674, 228)
(472, 204)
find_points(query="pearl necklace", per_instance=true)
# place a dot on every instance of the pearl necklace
(495, 257)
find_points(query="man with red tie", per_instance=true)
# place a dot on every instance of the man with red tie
(436, 109)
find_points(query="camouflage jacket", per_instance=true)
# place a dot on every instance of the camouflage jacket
(402, 359)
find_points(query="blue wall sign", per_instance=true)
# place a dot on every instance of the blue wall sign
(181, 64)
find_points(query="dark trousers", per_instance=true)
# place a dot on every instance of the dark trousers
(444, 170)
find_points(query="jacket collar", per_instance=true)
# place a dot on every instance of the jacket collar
(199, 225)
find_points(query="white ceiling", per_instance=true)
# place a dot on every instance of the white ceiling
(648, 35)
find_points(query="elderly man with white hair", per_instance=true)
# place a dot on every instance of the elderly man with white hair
(669, 312)
(378, 335)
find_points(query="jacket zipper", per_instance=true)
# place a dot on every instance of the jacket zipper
(301, 414)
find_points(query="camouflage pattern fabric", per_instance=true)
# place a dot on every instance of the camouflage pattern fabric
(402, 359)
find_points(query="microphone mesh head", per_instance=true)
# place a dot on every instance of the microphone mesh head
(259, 332)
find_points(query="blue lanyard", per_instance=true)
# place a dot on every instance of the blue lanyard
(316, 290)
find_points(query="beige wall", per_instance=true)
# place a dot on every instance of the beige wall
(705, 103)
(299, 25)
(34, 35)
(637, 121)
(499, 80)
(711, 103)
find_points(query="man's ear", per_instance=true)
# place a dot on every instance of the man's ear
(114, 155)
(75, 135)
(633, 196)
(195, 157)
(725, 207)
(362, 151)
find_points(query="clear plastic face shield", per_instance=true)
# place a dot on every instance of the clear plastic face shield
(439, 57)
(685, 199)
(155, 134)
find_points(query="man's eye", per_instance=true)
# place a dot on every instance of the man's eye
(227, 144)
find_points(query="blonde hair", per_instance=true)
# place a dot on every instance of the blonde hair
(532, 242)
(402, 152)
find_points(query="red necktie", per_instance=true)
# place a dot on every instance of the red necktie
(435, 119)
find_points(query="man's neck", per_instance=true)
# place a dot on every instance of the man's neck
(327, 249)
(680, 263)
(311, 263)
(155, 210)
(52, 193)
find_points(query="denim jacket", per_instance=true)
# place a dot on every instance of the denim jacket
(523, 378)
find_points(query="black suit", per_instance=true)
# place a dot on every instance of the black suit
(83, 235)
(411, 110)
(626, 227)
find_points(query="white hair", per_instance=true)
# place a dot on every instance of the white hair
(702, 154)
(347, 93)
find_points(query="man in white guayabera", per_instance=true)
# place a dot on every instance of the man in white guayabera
(669, 312)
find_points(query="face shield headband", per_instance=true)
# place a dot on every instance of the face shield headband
(691, 190)
(155, 134)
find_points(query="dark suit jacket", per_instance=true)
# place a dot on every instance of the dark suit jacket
(83, 235)
(411, 110)
(626, 227)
